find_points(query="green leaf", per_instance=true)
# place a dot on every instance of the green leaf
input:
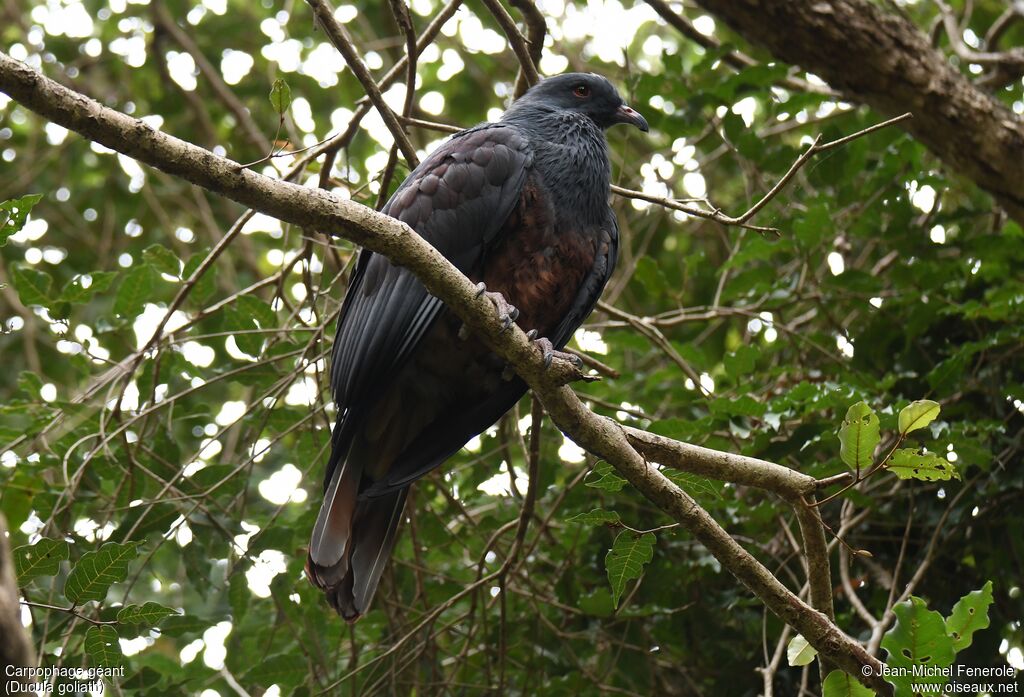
(605, 477)
(650, 276)
(94, 573)
(283, 669)
(907, 463)
(77, 292)
(693, 484)
(918, 638)
(276, 537)
(917, 415)
(238, 596)
(248, 338)
(14, 213)
(598, 516)
(626, 559)
(205, 284)
(41, 559)
(799, 652)
(143, 680)
(744, 405)
(149, 613)
(103, 647)
(162, 259)
(33, 286)
(257, 310)
(739, 363)
(135, 290)
(281, 96)
(858, 436)
(181, 625)
(969, 615)
(247, 314)
(30, 383)
(599, 603)
(142, 520)
(225, 478)
(840, 684)
(679, 429)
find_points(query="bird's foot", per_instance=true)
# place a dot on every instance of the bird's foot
(507, 312)
(550, 353)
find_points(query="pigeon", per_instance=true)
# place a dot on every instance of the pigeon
(520, 206)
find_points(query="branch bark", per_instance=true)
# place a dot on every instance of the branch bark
(881, 59)
(319, 209)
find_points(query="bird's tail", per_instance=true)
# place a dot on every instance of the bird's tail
(352, 538)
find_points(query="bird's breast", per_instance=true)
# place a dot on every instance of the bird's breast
(540, 260)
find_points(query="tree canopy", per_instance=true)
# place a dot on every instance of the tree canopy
(837, 379)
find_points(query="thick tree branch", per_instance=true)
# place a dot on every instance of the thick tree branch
(726, 467)
(318, 209)
(883, 60)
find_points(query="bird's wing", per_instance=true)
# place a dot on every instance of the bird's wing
(593, 284)
(436, 443)
(457, 199)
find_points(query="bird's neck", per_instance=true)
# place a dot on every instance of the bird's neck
(571, 155)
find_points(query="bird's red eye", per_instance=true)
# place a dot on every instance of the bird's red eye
(581, 91)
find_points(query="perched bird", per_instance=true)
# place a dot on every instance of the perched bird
(519, 206)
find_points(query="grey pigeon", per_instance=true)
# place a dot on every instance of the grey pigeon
(521, 207)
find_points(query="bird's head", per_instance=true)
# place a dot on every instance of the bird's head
(585, 93)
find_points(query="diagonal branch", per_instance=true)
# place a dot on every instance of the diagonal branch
(536, 30)
(318, 209)
(339, 36)
(519, 43)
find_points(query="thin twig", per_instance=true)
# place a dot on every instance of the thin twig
(339, 36)
(73, 610)
(515, 38)
(741, 220)
(212, 75)
(536, 30)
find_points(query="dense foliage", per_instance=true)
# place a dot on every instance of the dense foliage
(185, 478)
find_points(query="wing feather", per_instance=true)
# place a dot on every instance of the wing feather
(458, 200)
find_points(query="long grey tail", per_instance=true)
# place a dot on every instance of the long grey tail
(365, 530)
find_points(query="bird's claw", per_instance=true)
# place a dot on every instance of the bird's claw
(549, 352)
(507, 312)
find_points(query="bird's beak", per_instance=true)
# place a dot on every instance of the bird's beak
(626, 114)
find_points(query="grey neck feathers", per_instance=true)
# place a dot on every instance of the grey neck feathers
(571, 155)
